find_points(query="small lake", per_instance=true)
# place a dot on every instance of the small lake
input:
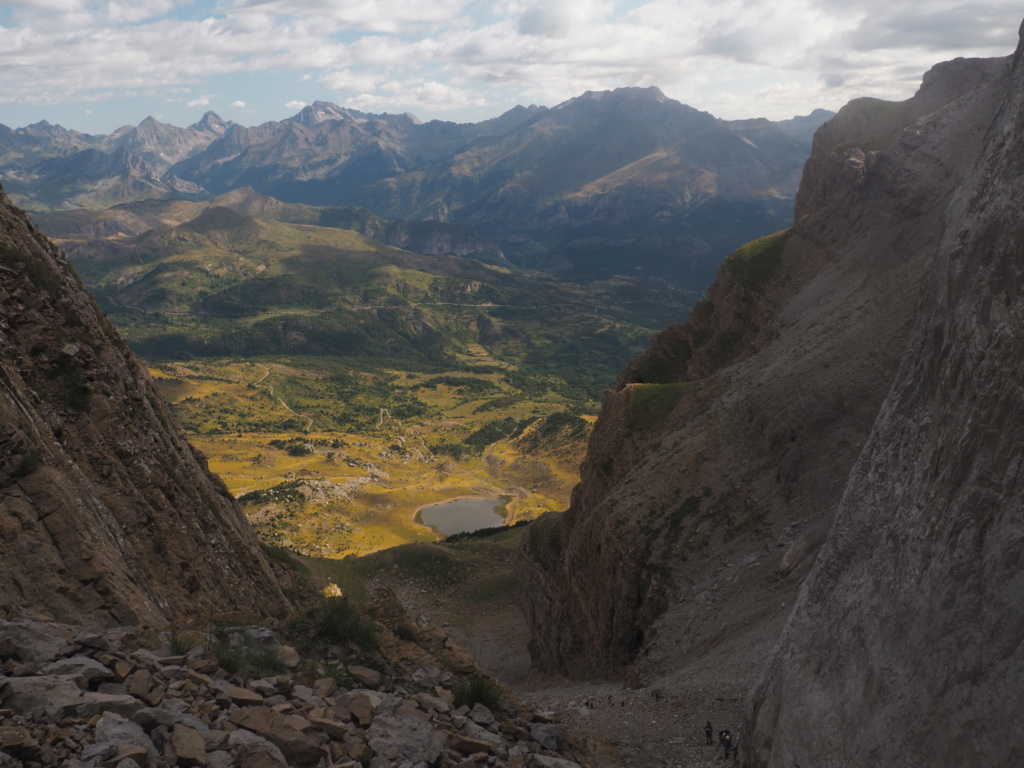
(463, 515)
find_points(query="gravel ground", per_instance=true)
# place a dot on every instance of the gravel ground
(655, 721)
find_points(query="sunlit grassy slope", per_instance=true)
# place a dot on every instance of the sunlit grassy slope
(338, 384)
(332, 492)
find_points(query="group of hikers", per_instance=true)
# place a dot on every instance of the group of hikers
(730, 746)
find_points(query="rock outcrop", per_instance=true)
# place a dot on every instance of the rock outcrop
(906, 642)
(107, 515)
(83, 699)
(728, 443)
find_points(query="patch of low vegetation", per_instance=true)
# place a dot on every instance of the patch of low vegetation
(650, 404)
(178, 643)
(554, 428)
(492, 432)
(478, 690)
(428, 563)
(333, 621)
(758, 262)
(470, 384)
(237, 656)
(283, 493)
(295, 446)
(493, 588)
(483, 533)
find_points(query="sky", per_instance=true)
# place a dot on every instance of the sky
(95, 65)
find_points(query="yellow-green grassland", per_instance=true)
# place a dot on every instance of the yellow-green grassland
(331, 492)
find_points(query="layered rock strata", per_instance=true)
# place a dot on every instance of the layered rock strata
(107, 515)
(906, 643)
(727, 444)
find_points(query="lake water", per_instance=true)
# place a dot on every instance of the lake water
(463, 515)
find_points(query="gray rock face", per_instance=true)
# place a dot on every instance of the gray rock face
(905, 646)
(109, 516)
(33, 643)
(730, 439)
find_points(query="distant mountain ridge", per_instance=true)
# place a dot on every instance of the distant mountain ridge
(613, 182)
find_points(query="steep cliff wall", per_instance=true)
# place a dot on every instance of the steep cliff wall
(906, 643)
(107, 514)
(727, 444)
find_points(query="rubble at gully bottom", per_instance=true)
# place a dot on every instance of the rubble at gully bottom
(83, 699)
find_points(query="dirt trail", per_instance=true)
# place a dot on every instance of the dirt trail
(657, 723)
(270, 389)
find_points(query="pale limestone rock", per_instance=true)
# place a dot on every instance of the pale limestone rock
(188, 746)
(403, 739)
(364, 676)
(297, 747)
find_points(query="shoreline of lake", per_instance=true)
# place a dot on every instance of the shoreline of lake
(500, 503)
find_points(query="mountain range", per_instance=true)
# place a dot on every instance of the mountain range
(250, 276)
(614, 182)
(811, 487)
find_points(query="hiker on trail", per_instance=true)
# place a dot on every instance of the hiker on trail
(730, 745)
(708, 731)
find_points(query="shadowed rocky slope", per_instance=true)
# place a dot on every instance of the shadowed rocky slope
(715, 469)
(905, 645)
(107, 514)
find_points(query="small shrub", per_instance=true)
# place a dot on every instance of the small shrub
(265, 662)
(178, 643)
(232, 660)
(335, 621)
(238, 655)
(478, 690)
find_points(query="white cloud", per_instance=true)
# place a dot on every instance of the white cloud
(202, 101)
(388, 16)
(238, 104)
(295, 104)
(137, 10)
(431, 96)
(347, 80)
(731, 57)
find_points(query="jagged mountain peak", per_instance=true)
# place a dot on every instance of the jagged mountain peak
(321, 111)
(651, 93)
(210, 121)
